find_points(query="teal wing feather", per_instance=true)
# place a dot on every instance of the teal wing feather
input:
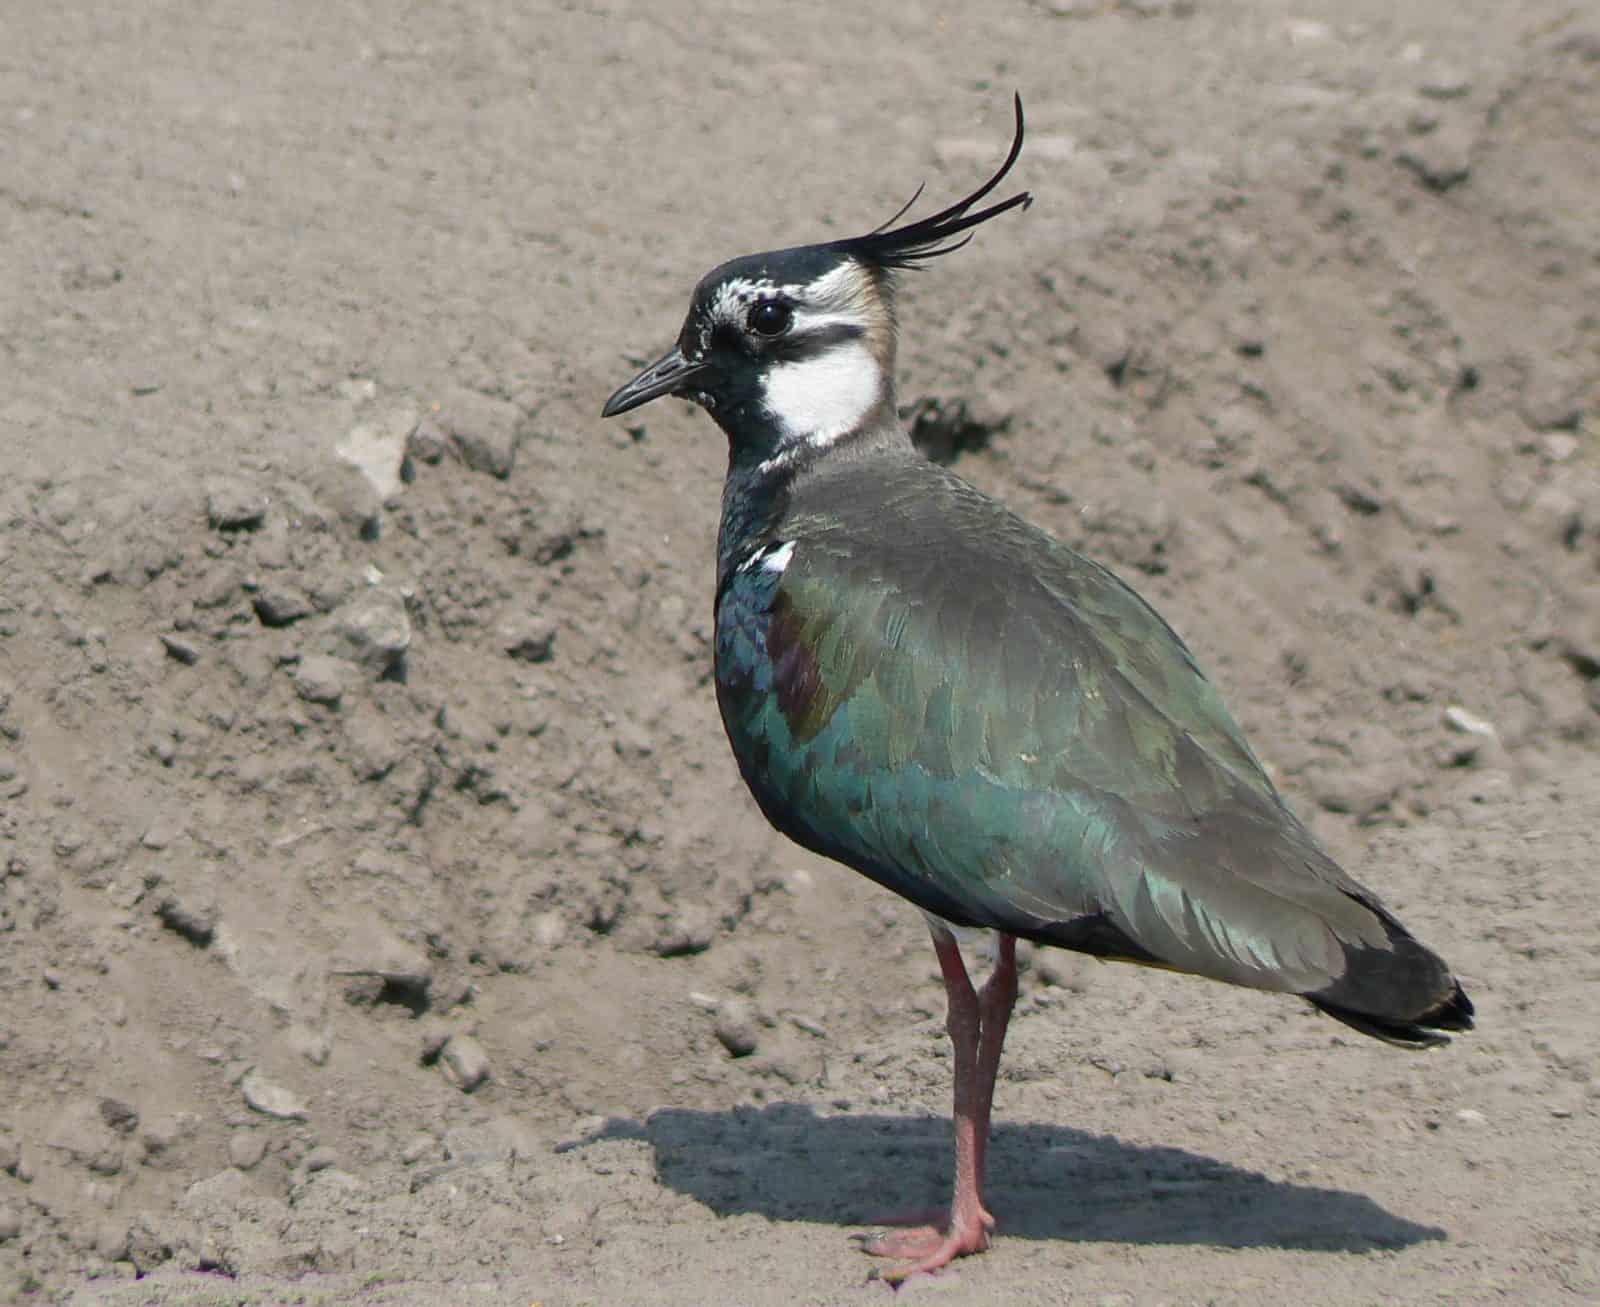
(1012, 738)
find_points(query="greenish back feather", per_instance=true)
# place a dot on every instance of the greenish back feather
(1013, 738)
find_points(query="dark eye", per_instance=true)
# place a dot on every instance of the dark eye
(770, 318)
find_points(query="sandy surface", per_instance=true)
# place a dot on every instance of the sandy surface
(378, 901)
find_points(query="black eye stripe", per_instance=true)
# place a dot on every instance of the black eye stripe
(815, 341)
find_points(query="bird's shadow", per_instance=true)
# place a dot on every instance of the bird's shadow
(785, 1162)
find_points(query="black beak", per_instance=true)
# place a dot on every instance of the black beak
(668, 375)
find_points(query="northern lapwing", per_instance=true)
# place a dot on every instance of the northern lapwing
(921, 685)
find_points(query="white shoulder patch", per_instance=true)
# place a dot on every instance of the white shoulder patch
(771, 558)
(778, 559)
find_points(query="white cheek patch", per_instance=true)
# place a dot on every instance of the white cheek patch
(816, 400)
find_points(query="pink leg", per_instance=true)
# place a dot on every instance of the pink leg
(977, 1027)
(995, 1001)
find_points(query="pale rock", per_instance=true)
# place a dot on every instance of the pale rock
(549, 930)
(320, 679)
(529, 638)
(428, 441)
(737, 1027)
(374, 962)
(375, 631)
(280, 603)
(375, 742)
(484, 432)
(376, 449)
(261, 1095)
(465, 1062)
(234, 505)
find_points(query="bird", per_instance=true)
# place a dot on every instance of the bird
(921, 685)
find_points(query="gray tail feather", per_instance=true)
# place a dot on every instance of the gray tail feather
(1401, 992)
(1455, 1013)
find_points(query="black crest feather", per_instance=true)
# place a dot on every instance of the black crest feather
(905, 247)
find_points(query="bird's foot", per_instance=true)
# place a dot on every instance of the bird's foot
(927, 1246)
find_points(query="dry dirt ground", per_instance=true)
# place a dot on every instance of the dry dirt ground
(381, 916)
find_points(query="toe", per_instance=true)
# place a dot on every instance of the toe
(937, 1258)
(902, 1245)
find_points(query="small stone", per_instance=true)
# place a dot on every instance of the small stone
(1362, 791)
(10, 1153)
(216, 587)
(631, 741)
(195, 921)
(181, 650)
(811, 1026)
(465, 1063)
(278, 604)
(1559, 446)
(111, 1240)
(320, 679)
(736, 1027)
(164, 1134)
(428, 441)
(530, 639)
(80, 1132)
(376, 450)
(1445, 84)
(246, 1148)
(485, 432)
(434, 1037)
(343, 495)
(1442, 159)
(1553, 403)
(1470, 1116)
(378, 966)
(549, 930)
(321, 1158)
(121, 1117)
(272, 1100)
(375, 630)
(417, 1148)
(687, 931)
(161, 835)
(233, 505)
(374, 742)
(1459, 719)
(10, 1222)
